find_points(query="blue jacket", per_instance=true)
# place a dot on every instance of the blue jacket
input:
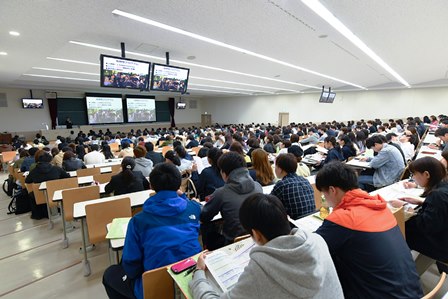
(334, 154)
(165, 232)
(388, 165)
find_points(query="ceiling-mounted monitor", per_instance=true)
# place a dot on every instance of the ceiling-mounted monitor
(169, 78)
(181, 105)
(32, 103)
(117, 72)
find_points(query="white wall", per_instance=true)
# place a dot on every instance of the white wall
(15, 119)
(347, 106)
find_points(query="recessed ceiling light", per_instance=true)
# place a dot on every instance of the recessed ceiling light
(73, 61)
(232, 88)
(3, 53)
(221, 91)
(240, 83)
(64, 71)
(326, 15)
(58, 77)
(191, 57)
(14, 33)
(224, 45)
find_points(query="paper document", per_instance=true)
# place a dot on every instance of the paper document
(227, 264)
(118, 228)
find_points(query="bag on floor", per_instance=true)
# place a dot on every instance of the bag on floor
(20, 203)
(8, 185)
(37, 211)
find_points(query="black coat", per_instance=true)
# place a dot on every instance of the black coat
(45, 172)
(119, 186)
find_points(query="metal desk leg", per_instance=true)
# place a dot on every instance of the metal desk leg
(64, 229)
(50, 222)
(86, 263)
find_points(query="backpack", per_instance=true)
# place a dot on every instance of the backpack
(9, 185)
(20, 202)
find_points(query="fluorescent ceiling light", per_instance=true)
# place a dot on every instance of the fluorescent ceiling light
(224, 45)
(214, 86)
(57, 77)
(325, 14)
(245, 84)
(14, 33)
(221, 91)
(63, 71)
(3, 53)
(73, 61)
(192, 64)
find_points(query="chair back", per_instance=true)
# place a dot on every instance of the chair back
(98, 215)
(8, 156)
(72, 196)
(39, 195)
(60, 184)
(165, 149)
(437, 288)
(187, 185)
(114, 147)
(196, 150)
(115, 168)
(157, 283)
(406, 173)
(102, 178)
(399, 216)
(88, 171)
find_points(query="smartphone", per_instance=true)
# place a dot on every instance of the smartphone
(183, 265)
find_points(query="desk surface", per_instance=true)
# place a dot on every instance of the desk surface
(426, 151)
(81, 181)
(137, 199)
(102, 170)
(357, 163)
(105, 164)
(57, 196)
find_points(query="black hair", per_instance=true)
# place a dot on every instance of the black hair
(435, 169)
(105, 149)
(266, 214)
(170, 155)
(165, 176)
(32, 151)
(287, 162)
(149, 146)
(213, 156)
(45, 158)
(180, 151)
(127, 165)
(94, 147)
(370, 142)
(389, 136)
(336, 174)
(231, 161)
(441, 132)
(123, 145)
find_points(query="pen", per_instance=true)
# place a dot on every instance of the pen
(190, 270)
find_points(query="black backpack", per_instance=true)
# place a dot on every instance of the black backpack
(9, 185)
(20, 202)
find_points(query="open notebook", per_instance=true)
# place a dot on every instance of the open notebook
(118, 228)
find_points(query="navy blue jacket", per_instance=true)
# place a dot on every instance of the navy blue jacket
(334, 154)
(209, 180)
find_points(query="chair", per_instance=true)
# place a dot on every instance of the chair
(187, 185)
(240, 238)
(196, 150)
(39, 195)
(399, 216)
(165, 149)
(60, 184)
(157, 283)
(437, 288)
(88, 171)
(115, 168)
(72, 196)
(102, 178)
(406, 173)
(114, 147)
(98, 215)
(7, 157)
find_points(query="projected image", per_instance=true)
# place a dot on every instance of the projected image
(168, 78)
(141, 110)
(124, 73)
(32, 103)
(104, 110)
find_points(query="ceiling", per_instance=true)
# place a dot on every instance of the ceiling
(409, 35)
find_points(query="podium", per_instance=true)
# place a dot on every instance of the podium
(206, 120)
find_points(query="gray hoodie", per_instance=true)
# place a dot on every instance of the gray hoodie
(293, 266)
(143, 165)
(228, 200)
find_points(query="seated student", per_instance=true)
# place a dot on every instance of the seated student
(253, 144)
(286, 264)
(166, 231)
(28, 161)
(210, 178)
(388, 164)
(311, 138)
(334, 151)
(442, 143)
(365, 242)
(427, 231)
(127, 180)
(302, 169)
(228, 198)
(407, 147)
(141, 163)
(58, 156)
(185, 162)
(392, 139)
(295, 192)
(70, 162)
(23, 154)
(238, 148)
(269, 145)
(126, 150)
(106, 151)
(94, 156)
(348, 150)
(262, 170)
(192, 142)
(156, 158)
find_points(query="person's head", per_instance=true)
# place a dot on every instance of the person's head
(262, 166)
(32, 151)
(264, 217)
(444, 159)
(228, 162)
(285, 164)
(165, 177)
(127, 165)
(294, 138)
(125, 145)
(54, 151)
(180, 151)
(442, 133)
(375, 142)
(427, 172)
(139, 152)
(43, 157)
(171, 157)
(94, 147)
(23, 153)
(149, 146)
(213, 156)
(68, 155)
(330, 142)
(334, 180)
(391, 137)
(237, 148)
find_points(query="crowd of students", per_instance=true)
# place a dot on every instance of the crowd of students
(358, 252)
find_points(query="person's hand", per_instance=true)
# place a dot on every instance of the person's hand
(201, 261)
(396, 203)
(196, 199)
(409, 185)
(194, 167)
(180, 192)
(415, 201)
(363, 159)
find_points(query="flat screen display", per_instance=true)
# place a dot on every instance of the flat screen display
(331, 97)
(104, 110)
(181, 105)
(141, 110)
(169, 78)
(323, 97)
(32, 103)
(117, 72)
